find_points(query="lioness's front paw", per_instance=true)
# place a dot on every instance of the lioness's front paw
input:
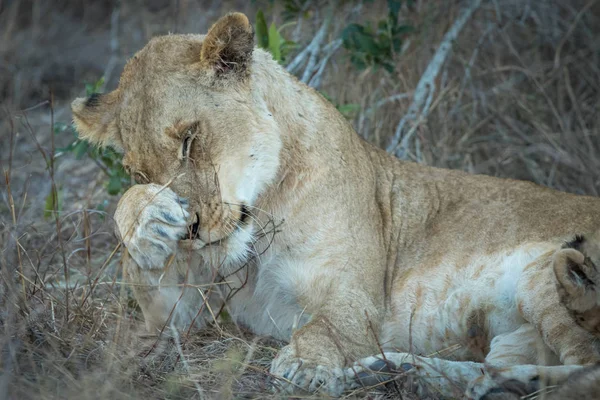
(375, 370)
(151, 219)
(297, 374)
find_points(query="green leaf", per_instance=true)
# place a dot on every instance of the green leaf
(91, 88)
(80, 148)
(114, 185)
(394, 8)
(275, 42)
(348, 110)
(102, 207)
(53, 203)
(224, 315)
(262, 34)
(327, 97)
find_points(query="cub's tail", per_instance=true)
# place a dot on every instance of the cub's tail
(576, 267)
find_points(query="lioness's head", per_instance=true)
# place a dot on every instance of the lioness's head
(185, 114)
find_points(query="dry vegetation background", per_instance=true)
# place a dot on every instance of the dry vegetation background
(518, 96)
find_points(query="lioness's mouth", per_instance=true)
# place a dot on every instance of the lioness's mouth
(194, 232)
(195, 227)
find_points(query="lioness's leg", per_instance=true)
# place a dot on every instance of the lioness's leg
(538, 302)
(341, 330)
(170, 297)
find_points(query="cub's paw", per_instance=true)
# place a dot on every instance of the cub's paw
(296, 375)
(151, 219)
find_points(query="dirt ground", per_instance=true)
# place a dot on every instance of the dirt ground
(518, 97)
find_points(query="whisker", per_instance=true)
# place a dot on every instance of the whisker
(249, 206)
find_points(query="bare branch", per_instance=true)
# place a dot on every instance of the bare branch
(328, 50)
(114, 42)
(425, 90)
(312, 49)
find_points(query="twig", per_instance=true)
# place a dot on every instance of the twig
(312, 61)
(114, 42)
(425, 90)
(578, 17)
(328, 50)
(312, 47)
(390, 99)
(311, 51)
(469, 67)
(184, 360)
(55, 210)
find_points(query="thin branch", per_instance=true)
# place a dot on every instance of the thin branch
(312, 51)
(114, 42)
(580, 14)
(328, 50)
(425, 90)
(312, 48)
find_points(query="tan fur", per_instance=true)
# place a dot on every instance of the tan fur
(578, 277)
(314, 236)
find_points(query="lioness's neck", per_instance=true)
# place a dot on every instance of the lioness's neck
(302, 115)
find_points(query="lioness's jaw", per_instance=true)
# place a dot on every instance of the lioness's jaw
(227, 48)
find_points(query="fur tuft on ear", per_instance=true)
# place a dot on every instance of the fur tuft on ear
(95, 119)
(579, 286)
(228, 46)
(578, 279)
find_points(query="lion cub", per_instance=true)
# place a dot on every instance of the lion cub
(255, 194)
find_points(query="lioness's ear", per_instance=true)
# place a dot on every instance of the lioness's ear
(95, 119)
(227, 48)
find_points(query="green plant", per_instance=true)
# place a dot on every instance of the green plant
(292, 9)
(348, 110)
(105, 157)
(271, 38)
(370, 46)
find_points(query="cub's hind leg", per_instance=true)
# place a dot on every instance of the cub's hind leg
(520, 347)
(514, 365)
(539, 303)
(510, 367)
(430, 375)
(451, 378)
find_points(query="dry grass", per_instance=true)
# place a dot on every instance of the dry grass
(518, 97)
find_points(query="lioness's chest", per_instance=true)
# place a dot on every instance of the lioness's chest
(266, 301)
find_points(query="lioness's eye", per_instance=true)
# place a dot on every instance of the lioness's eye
(188, 139)
(140, 178)
(185, 151)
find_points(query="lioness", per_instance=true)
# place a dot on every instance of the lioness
(251, 181)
